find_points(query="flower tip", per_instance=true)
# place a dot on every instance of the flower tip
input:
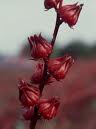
(76, 3)
(20, 80)
(70, 60)
(28, 39)
(45, 9)
(81, 5)
(73, 61)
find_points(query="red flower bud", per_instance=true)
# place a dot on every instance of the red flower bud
(51, 3)
(40, 48)
(59, 67)
(37, 76)
(70, 13)
(28, 113)
(28, 95)
(48, 108)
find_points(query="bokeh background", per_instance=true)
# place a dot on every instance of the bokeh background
(22, 18)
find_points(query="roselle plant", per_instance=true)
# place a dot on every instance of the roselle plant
(30, 94)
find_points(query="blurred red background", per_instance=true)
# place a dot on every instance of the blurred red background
(77, 93)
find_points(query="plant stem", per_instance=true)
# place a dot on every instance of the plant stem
(34, 119)
(45, 74)
(58, 23)
(33, 122)
(41, 87)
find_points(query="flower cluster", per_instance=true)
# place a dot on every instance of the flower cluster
(29, 97)
(30, 94)
(68, 13)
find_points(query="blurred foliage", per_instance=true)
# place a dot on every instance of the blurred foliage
(79, 49)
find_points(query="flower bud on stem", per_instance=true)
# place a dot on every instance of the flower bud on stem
(44, 78)
(41, 49)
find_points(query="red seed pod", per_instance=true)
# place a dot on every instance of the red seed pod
(40, 47)
(28, 95)
(28, 113)
(51, 3)
(48, 108)
(37, 76)
(59, 67)
(70, 13)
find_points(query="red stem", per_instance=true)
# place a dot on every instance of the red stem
(58, 23)
(35, 118)
(44, 78)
